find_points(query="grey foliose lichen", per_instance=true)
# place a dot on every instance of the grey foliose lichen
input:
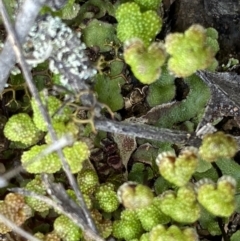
(52, 39)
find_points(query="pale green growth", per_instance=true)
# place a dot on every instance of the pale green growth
(107, 198)
(128, 227)
(145, 62)
(189, 52)
(178, 170)
(145, 237)
(148, 4)
(53, 106)
(20, 128)
(218, 199)
(181, 206)
(66, 229)
(151, 215)
(217, 145)
(48, 164)
(76, 155)
(134, 196)
(173, 233)
(37, 187)
(62, 129)
(87, 198)
(132, 23)
(87, 181)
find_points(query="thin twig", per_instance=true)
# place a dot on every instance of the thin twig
(25, 19)
(62, 142)
(18, 52)
(145, 131)
(70, 210)
(17, 229)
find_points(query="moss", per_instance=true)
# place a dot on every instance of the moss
(218, 198)
(37, 187)
(217, 145)
(87, 181)
(132, 23)
(66, 229)
(181, 206)
(48, 164)
(128, 227)
(151, 215)
(145, 62)
(20, 128)
(99, 34)
(163, 90)
(178, 170)
(188, 108)
(53, 105)
(190, 51)
(134, 196)
(173, 233)
(107, 198)
(109, 92)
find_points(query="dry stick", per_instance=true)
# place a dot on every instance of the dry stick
(146, 132)
(24, 21)
(17, 49)
(61, 207)
(17, 229)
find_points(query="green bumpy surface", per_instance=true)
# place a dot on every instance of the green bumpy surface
(145, 62)
(48, 164)
(134, 196)
(87, 181)
(181, 206)
(189, 51)
(151, 215)
(61, 130)
(218, 199)
(173, 233)
(107, 198)
(20, 128)
(132, 23)
(128, 227)
(66, 229)
(53, 105)
(76, 155)
(148, 4)
(217, 145)
(36, 186)
(178, 170)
